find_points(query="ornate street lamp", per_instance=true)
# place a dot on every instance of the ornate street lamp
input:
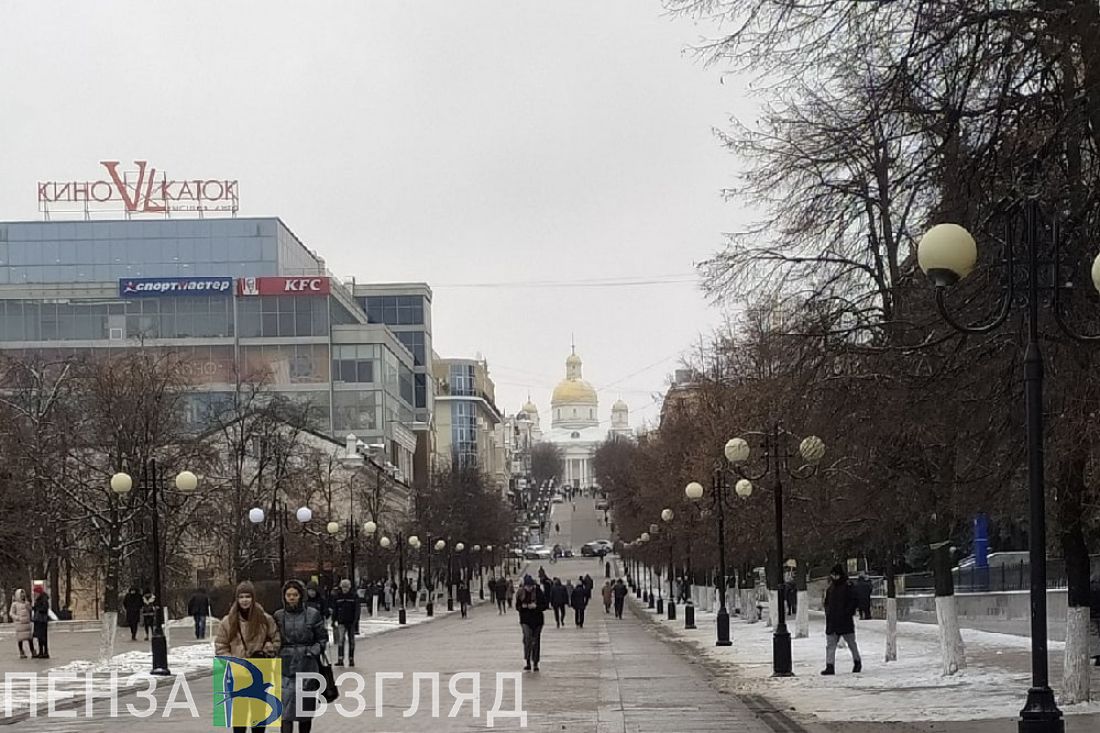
(948, 253)
(777, 457)
(186, 482)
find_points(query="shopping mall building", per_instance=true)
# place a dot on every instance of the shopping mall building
(236, 299)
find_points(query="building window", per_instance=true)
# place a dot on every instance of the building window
(394, 310)
(463, 380)
(281, 316)
(464, 434)
(355, 412)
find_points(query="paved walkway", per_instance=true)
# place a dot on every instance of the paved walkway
(609, 677)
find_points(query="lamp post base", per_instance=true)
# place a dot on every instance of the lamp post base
(429, 610)
(671, 610)
(1041, 713)
(401, 617)
(689, 616)
(781, 652)
(723, 628)
(159, 646)
(661, 606)
(649, 601)
(450, 604)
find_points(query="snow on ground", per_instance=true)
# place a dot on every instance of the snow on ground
(910, 689)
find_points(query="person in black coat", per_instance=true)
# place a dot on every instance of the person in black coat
(579, 600)
(345, 622)
(531, 603)
(863, 596)
(131, 606)
(464, 599)
(840, 607)
(559, 599)
(198, 608)
(619, 592)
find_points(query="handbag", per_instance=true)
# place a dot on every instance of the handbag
(331, 691)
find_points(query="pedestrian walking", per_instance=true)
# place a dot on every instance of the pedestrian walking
(246, 631)
(198, 608)
(316, 601)
(500, 595)
(531, 603)
(345, 622)
(840, 607)
(619, 593)
(510, 593)
(463, 597)
(559, 599)
(588, 583)
(605, 592)
(40, 620)
(20, 613)
(302, 638)
(148, 613)
(579, 600)
(863, 596)
(557, 528)
(131, 606)
(790, 589)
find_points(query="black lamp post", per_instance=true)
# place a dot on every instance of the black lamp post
(666, 517)
(257, 516)
(694, 491)
(653, 530)
(947, 253)
(121, 483)
(777, 463)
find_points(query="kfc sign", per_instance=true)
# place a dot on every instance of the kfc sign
(283, 286)
(140, 191)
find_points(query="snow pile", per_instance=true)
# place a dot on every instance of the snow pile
(911, 689)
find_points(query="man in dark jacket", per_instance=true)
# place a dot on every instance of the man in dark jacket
(531, 603)
(198, 608)
(579, 600)
(131, 605)
(345, 621)
(559, 599)
(619, 591)
(840, 607)
(500, 593)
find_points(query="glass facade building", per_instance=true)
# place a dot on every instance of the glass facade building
(406, 309)
(62, 294)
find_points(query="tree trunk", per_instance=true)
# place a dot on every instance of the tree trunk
(802, 613)
(947, 616)
(109, 627)
(891, 613)
(1075, 672)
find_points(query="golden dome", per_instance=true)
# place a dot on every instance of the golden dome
(574, 392)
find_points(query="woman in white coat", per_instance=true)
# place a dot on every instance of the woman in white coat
(21, 617)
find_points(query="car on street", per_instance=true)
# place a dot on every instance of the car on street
(537, 552)
(602, 505)
(594, 549)
(558, 499)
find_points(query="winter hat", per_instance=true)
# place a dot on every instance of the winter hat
(528, 580)
(245, 587)
(295, 583)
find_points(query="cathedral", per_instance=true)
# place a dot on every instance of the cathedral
(575, 423)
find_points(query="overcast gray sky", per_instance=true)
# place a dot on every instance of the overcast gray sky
(478, 146)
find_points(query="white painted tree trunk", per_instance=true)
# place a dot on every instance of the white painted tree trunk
(891, 629)
(1075, 672)
(107, 634)
(951, 643)
(802, 615)
(773, 607)
(748, 605)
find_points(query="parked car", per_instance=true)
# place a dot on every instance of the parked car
(602, 505)
(558, 499)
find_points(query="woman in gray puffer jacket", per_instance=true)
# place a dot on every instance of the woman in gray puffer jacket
(303, 636)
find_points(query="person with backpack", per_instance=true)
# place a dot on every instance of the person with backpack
(198, 608)
(559, 599)
(579, 600)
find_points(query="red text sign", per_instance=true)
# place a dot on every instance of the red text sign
(142, 191)
(283, 286)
